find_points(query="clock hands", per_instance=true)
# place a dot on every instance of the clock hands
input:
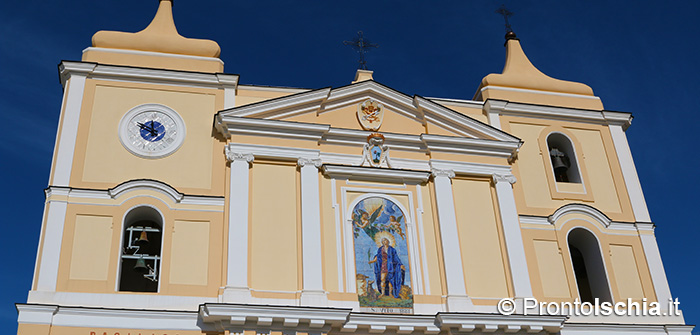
(151, 129)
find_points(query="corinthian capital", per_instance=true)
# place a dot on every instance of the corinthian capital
(315, 161)
(443, 173)
(233, 156)
(500, 178)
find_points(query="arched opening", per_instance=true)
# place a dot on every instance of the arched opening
(589, 270)
(563, 157)
(141, 248)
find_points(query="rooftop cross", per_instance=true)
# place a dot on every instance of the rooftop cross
(506, 14)
(362, 45)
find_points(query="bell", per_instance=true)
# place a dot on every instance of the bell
(143, 239)
(141, 266)
(558, 164)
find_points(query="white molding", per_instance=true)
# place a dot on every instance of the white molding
(421, 230)
(559, 113)
(278, 89)
(492, 322)
(381, 174)
(338, 236)
(656, 266)
(234, 316)
(474, 146)
(274, 152)
(70, 118)
(125, 319)
(401, 324)
(629, 174)
(539, 220)
(459, 102)
(280, 107)
(124, 189)
(478, 169)
(118, 300)
(235, 125)
(459, 122)
(35, 314)
(147, 75)
(580, 209)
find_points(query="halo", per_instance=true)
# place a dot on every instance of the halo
(378, 237)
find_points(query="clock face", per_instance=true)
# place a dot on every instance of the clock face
(151, 131)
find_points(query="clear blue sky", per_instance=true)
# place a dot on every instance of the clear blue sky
(639, 57)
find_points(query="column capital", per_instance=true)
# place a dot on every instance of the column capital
(442, 173)
(234, 156)
(303, 161)
(500, 178)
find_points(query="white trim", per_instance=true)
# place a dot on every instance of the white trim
(230, 125)
(525, 90)
(275, 152)
(513, 236)
(280, 107)
(492, 322)
(474, 146)
(146, 75)
(69, 127)
(478, 169)
(629, 173)
(458, 102)
(227, 316)
(278, 89)
(119, 300)
(603, 220)
(560, 113)
(136, 185)
(380, 174)
(36, 314)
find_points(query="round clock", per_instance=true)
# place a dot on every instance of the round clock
(151, 131)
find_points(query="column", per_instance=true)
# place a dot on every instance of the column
(656, 266)
(512, 235)
(312, 293)
(237, 289)
(457, 299)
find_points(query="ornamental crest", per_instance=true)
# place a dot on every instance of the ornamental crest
(375, 152)
(370, 114)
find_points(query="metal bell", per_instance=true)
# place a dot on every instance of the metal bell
(143, 239)
(558, 164)
(141, 266)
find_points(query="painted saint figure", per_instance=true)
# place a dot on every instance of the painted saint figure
(388, 270)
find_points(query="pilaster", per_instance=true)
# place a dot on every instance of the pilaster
(312, 293)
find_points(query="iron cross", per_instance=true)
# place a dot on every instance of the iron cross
(506, 14)
(361, 45)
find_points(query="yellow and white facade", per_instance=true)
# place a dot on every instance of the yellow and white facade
(250, 207)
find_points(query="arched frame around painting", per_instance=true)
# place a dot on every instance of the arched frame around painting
(365, 278)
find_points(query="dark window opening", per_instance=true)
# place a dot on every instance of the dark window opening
(563, 157)
(140, 257)
(589, 269)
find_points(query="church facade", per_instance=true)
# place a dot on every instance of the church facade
(183, 202)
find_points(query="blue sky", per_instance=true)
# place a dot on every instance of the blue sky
(639, 57)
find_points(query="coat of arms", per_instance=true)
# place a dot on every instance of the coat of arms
(375, 152)
(370, 114)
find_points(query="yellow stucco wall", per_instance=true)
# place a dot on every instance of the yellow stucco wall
(101, 161)
(274, 230)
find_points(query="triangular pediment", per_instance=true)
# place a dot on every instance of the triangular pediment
(337, 109)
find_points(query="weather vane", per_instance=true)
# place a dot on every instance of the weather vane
(362, 45)
(506, 14)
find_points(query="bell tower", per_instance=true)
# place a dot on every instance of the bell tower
(138, 173)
